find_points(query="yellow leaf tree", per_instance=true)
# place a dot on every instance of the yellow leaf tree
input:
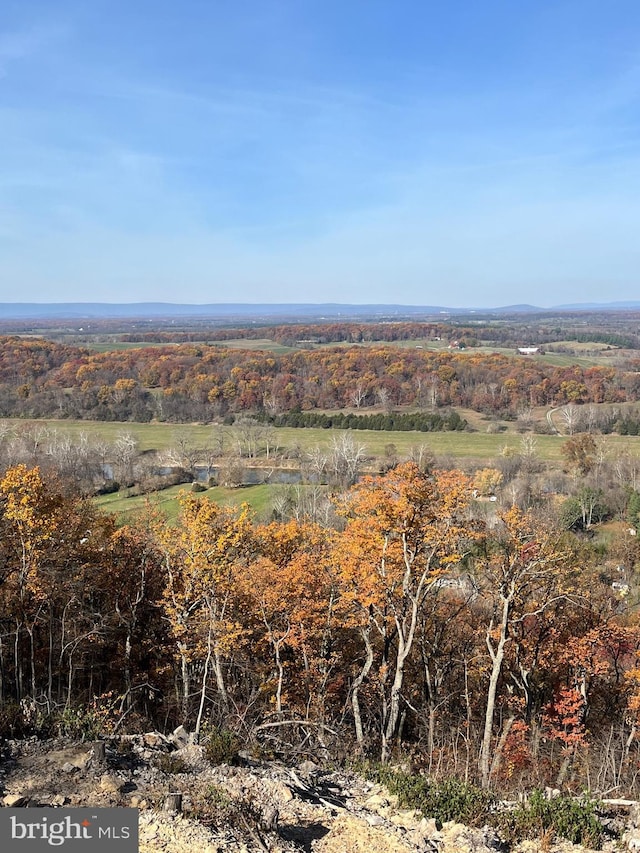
(29, 520)
(403, 531)
(202, 554)
(292, 592)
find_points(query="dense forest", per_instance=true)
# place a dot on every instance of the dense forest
(187, 382)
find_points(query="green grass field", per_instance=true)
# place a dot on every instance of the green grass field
(482, 446)
(237, 344)
(259, 498)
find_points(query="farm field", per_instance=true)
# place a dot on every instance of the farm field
(481, 446)
(112, 346)
(257, 344)
(126, 506)
(237, 344)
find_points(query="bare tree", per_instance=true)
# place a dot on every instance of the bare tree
(308, 503)
(525, 419)
(626, 467)
(528, 446)
(383, 397)
(271, 440)
(220, 440)
(315, 465)
(422, 456)
(184, 453)
(76, 458)
(345, 459)
(250, 434)
(571, 417)
(271, 405)
(125, 449)
(358, 395)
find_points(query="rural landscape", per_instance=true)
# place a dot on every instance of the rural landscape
(320, 426)
(396, 547)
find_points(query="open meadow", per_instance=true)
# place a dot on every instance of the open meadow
(293, 442)
(126, 505)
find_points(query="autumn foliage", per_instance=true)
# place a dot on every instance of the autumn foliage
(490, 652)
(197, 381)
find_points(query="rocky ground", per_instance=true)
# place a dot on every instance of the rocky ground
(239, 809)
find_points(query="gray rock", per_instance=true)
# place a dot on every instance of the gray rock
(631, 840)
(156, 740)
(269, 817)
(180, 737)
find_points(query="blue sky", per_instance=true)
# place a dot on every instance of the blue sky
(458, 152)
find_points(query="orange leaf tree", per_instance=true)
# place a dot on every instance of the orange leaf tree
(291, 591)
(403, 531)
(202, 555)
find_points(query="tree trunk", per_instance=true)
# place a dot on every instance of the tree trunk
(280, 669)
(186, 687)
(497, 657)
(99, 753)
(357, 684)
(497, 755)
(222, 689)
(203, 688)
(394, 707)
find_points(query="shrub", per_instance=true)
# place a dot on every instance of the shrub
(80, 724)
(444, 801)
(172, 764)
(216, 807)
(221, 746)
(568, 817)
(565, 816)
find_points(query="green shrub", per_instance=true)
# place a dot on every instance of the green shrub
(80, 724)
(452, 800)
(444, 801)
(171, 764)
(221, 746)
(216, 807)
(565, 816)
(92, 721)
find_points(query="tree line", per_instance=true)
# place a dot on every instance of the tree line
(401, 421)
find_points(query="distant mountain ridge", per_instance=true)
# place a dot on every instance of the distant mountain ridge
(248, 311)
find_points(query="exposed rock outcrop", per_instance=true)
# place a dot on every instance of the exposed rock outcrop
(228, 809)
